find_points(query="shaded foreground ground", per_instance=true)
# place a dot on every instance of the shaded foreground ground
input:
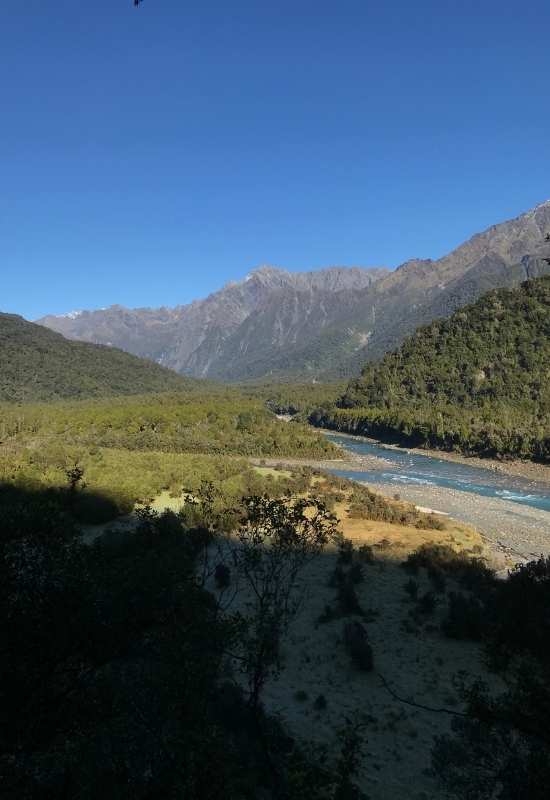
(415, 660)
(410, 654)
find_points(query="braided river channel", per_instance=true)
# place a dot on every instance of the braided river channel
(402, 468)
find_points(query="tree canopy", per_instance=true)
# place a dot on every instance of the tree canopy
(477, 382)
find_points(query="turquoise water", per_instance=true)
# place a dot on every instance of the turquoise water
(408, 469)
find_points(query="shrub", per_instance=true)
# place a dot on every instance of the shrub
(327, 615)
(357, 644)
(519, 609)
(337, 578)
(432, 522)
(357, 573)
(222, 576)
(473, 573)
(410, 566)
(345, 552)
(365, 553)
(320, 703)
(426, 604)
(347, 599)
(411, 587)
(465, 618)
(437, 578)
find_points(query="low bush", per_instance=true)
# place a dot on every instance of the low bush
(320, 703)
(327, 615)
(437, 579)
(465, 618)
(519, 611)
(365, 553)
(337, 578)
(357, 644)
(426, 603)
(348, 602)
(473, 573)
(345, 552)
(222, 576)
(411, 587)
(357, 573)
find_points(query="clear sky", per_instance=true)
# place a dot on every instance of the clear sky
(149, 155)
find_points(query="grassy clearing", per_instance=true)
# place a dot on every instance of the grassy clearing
(397, 541)
(274, 473)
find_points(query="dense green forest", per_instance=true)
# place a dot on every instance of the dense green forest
(294, 398)
(125, 451)
(214, 422)
(132, 448)
(478, 382)
(37, 364)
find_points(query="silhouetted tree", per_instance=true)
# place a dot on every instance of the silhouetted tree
(276, 540)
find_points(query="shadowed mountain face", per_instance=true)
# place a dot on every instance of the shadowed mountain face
(317, 324)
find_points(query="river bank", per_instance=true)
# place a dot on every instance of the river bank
(508, 529)
(512, 531)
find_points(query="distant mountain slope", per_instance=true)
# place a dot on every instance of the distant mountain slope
(479, 381)
(318, 324)
(420, 291)
(233, 333)
(37, 364)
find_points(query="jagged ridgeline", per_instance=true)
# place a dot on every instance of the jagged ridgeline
(37, 364)
(477, 382)
(321, 324)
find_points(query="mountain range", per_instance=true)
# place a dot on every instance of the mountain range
(319, 324)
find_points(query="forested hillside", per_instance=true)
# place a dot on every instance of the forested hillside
(37, 364)
(476, 382)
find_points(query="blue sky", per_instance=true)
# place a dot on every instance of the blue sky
(148, 156)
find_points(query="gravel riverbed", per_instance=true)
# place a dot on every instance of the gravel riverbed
(517, 531)
(509, 528)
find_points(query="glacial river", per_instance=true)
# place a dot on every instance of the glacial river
(403, 468)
